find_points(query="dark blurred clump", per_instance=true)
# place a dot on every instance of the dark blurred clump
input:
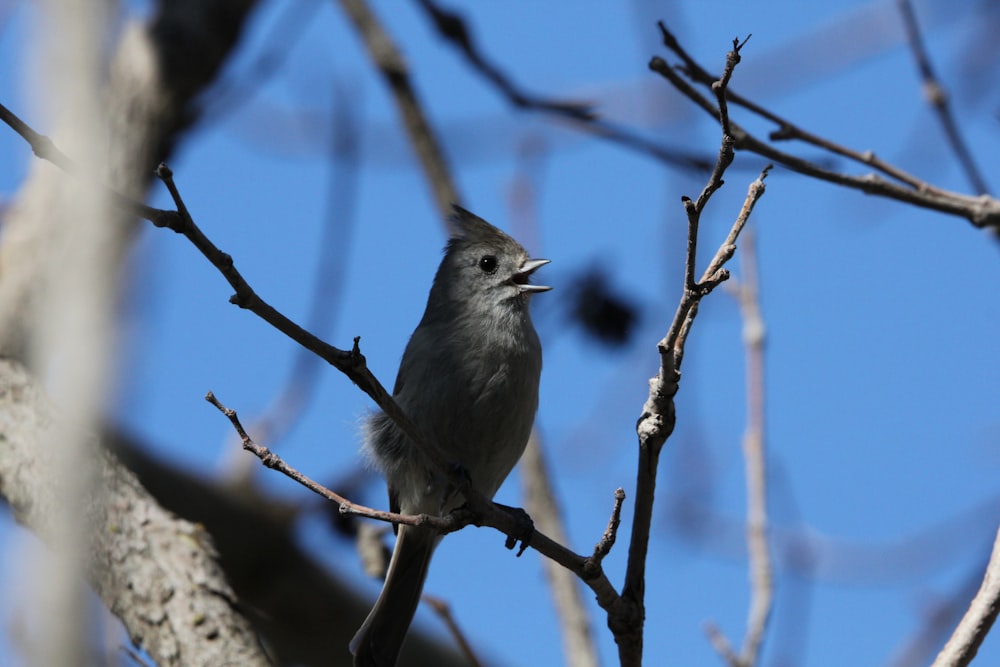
(604, 315)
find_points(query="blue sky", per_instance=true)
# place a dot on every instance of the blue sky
(882, 366)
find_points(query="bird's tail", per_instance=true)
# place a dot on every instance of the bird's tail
(378, 641)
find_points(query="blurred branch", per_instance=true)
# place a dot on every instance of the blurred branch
(452, 27)
(287, 406)
(982, 211)
(579, 115)
(235, 91)
(443, 611)
(70, 326)
(746, 292)
(390, 62)
(175, 603)
(755, 457)
(540, 499)
(937, 97)
(658, 417)
(721, 645)
(541, 503)
(976, 624)
(810, 554)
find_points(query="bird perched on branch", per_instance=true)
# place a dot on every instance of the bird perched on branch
(469, 381)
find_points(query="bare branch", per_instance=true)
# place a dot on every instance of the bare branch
(488, 515)
(976, 624)
(603, 546)
(271, 460)
(658, 417)
(982, 211)
(43, 147)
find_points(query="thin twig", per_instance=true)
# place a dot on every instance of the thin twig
(41, 145)
(937, 97)
(603, 546)
(721, 645)
(352, 363)
(490, 515)
(786, 129)
(721, 86)
(658, 417)
(383, 52)
(271, 460)
(982, 211)
(715, 274)
(43, 148)
(964, 643)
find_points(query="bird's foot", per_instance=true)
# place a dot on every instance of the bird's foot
(525, 528)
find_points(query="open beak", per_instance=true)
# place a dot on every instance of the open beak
(524, 274)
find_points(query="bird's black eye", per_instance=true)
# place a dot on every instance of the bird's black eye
(488, 263)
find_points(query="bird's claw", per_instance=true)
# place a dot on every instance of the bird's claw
(525, 528)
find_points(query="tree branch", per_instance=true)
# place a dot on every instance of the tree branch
(658, 417)
(175, 603)
(384, 54)
(982, 211)
(975, 625)
(443, 611)
(755, 460)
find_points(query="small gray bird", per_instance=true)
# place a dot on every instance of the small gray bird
(469, 381)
